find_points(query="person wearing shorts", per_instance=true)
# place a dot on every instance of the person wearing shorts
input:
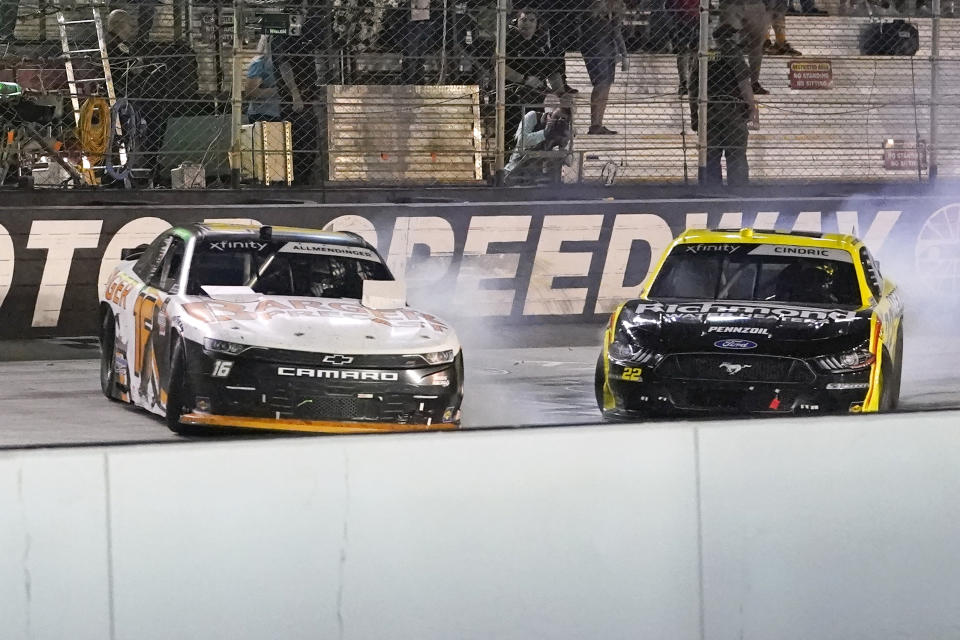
(602, 43)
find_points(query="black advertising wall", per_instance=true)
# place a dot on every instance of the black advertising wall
(507, 262)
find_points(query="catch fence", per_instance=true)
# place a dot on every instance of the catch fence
(416, 92)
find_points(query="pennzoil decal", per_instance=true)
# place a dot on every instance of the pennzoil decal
(762, 331)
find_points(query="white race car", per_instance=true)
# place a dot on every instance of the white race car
(217, 325)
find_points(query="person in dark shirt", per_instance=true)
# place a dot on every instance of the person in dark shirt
(302, 96)
(533, 68)
(684, 36)
(730, 108)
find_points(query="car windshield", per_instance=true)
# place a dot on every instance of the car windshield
(778, 273)
(284, 268)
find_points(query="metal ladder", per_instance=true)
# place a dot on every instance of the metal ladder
(69, 55)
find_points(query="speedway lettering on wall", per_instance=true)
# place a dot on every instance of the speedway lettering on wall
(506, 262)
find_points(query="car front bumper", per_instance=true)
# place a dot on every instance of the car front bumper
(649, 393)
(269, 391)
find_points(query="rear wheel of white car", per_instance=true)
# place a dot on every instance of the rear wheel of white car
(179, 400)
(108, 355)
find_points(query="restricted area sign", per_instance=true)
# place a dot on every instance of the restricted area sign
(810, 74)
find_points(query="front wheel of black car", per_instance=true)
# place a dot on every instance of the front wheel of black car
(178, 396)
(888, 377)
(897, 370)
(599, 380)
(108, 355)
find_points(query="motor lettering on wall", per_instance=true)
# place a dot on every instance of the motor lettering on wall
(462, 260)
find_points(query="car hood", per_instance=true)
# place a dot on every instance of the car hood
(753, 327)
(315, 324)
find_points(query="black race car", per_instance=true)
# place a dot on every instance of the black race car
(744, 321)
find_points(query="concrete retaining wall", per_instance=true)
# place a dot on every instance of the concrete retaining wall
(796, 528)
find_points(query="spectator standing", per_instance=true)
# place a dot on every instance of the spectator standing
(301, 95)
(533, 68)
(807, 8)
(602, 43)
(416, 43)
(8, 19)
(730, 108)
(684, 37)
(261, 85)
(778, 16)
(141, 81)
(751, 20)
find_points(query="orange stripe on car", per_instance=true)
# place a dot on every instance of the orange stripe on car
(314, 426)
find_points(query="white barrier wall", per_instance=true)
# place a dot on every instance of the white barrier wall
(813, 528)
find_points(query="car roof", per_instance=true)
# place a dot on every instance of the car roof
(223, 230)
(748, 235)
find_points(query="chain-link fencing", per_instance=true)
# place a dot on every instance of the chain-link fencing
(401, 92)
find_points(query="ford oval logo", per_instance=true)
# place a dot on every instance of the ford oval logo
(733, 343)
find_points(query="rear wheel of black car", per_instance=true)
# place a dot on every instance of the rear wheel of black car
(178, 396)
(108, 356)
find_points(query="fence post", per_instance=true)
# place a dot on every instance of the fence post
(934, 98)
(236, 95)
(703, 50)
(501, 79)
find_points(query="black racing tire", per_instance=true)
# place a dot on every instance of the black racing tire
(108, 356)
(897, 370)
(178, 395)
(887, 402)
(599, 379)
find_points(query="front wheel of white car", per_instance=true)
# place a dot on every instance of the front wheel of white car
(108, 355)
(178, 395)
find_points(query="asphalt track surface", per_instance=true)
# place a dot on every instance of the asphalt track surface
(50, 394)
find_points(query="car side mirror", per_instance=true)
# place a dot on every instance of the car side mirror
(384, 294)
(134, 253)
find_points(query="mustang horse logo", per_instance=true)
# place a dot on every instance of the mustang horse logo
(734, 369)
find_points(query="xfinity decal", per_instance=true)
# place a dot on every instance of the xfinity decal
(732, 343)
(837, 255)
(752, 330)
(223, 245)
(339, 374)
(322, 249)
(749, 310)
(708, 247)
